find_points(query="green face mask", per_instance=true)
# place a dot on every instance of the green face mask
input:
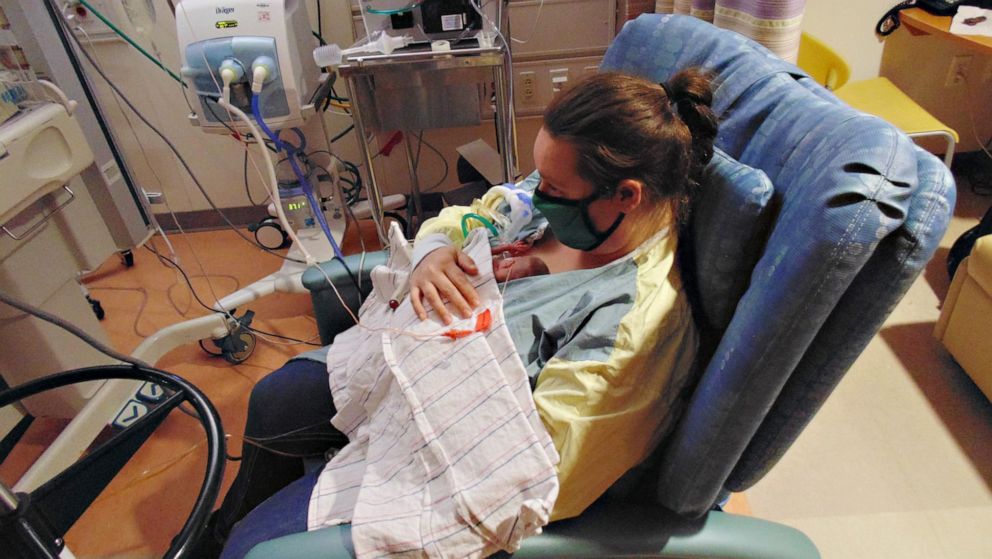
(569, 220)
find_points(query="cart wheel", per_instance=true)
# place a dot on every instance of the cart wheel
(127, 257)
(245, 342)
(270, 234)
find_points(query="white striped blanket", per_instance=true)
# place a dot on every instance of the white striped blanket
(447, 455)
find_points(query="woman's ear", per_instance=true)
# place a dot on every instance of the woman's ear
(630, 194)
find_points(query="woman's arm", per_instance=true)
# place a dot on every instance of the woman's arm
(440, 268)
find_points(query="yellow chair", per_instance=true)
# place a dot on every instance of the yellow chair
(965, 324)
(877, 96)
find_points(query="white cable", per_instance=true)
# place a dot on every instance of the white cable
(258, 171)
(274, 183)
(168, 243)
(533, 28)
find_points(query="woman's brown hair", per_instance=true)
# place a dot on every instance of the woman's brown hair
(625, 127)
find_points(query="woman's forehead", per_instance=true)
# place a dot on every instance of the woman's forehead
(555, 159)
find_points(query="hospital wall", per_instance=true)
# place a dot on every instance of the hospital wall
(847, 25)
(918, 64)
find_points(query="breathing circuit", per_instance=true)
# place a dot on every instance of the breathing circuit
(262, 70)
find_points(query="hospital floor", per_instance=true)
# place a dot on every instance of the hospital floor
(898, 463)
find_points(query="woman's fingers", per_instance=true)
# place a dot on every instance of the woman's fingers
(440, 277)
(464, 296)
(434, 299)
(448, 290)
(418, 306)
(466, 263)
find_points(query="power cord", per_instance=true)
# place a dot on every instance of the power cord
(196, 296)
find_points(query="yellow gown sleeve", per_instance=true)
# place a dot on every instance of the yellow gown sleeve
(605, 417)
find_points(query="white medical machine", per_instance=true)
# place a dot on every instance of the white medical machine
(243, 36)
(250, 65)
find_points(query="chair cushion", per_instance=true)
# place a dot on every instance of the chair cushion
(730, 218)
(965, 324)
(981, 264)
(881, 97)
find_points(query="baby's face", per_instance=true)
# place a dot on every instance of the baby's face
(515, 267)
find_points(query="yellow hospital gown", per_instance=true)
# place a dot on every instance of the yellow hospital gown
(608, 350)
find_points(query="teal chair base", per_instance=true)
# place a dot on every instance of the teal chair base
(605, 530)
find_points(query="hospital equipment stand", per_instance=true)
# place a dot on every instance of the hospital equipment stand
(417, 89)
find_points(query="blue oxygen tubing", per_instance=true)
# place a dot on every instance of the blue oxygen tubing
(291, 152)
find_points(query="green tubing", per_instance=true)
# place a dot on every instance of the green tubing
(130, 41)
(489, 225)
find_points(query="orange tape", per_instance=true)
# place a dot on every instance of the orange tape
(482, 323)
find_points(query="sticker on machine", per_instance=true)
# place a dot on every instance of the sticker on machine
(264, 16)
(453, 22)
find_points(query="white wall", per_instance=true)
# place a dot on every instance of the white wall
(848, 26)
(918, 64)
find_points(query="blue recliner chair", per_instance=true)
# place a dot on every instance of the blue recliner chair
(791, 286)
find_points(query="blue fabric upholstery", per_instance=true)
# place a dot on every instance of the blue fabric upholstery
(730, 217)
(860, 210)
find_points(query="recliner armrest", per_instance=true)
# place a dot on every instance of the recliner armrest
(610, 530)
(332, 318)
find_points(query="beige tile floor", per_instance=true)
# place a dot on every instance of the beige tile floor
(898, 462)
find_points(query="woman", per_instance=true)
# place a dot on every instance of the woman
(607, 337)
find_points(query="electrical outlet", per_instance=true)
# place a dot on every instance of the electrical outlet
(559, 77)
(958, 71)
(528, 86)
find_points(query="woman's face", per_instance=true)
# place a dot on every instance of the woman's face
(557, 162)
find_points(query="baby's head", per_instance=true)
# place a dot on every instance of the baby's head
(515, 267)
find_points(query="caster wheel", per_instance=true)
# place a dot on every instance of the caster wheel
(245, 342)
(127, 258)
(269, 234)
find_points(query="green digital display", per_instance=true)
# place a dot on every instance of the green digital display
(293, 206)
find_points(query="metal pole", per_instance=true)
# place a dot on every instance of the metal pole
(503, 78)
(414, 181)
(504, 124)
(375, 195)
(8, 499)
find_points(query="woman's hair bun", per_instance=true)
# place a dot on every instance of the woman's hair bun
(691, 95)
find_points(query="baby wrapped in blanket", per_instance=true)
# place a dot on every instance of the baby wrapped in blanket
(447, 454)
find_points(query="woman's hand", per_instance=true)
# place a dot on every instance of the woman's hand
(443, 274)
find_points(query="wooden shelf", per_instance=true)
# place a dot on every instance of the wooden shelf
(920, 22)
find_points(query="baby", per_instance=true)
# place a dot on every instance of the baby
(507, 267)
